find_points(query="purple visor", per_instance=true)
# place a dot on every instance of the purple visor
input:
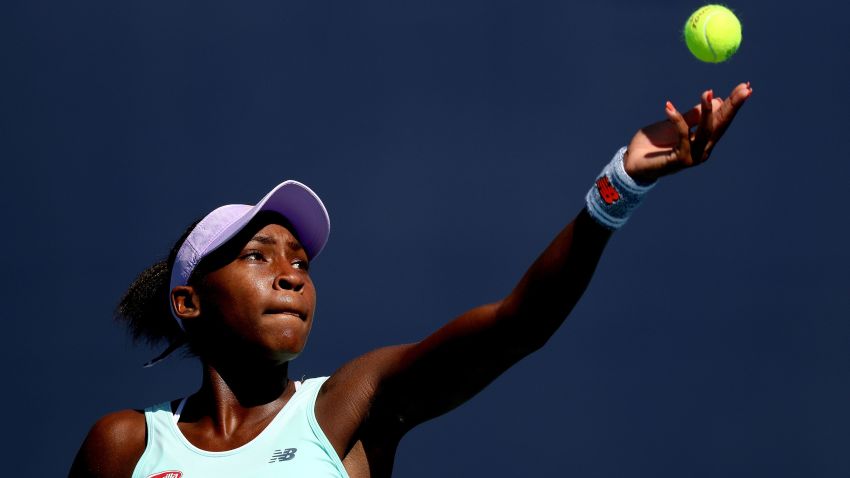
(291, 199)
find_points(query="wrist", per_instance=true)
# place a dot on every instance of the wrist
(616, 194)
(643, 178)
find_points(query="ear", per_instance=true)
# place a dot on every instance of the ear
(185, 302)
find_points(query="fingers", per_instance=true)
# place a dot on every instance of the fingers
(701, 144)
(682, 150)
(711, 117)
(730, 107)
(677, 119)
(734, 102)
(739, 95)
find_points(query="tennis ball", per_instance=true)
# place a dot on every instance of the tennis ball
(713, 33)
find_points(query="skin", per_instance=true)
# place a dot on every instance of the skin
(257, 302)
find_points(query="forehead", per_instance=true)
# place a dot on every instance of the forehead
(269, 228)
(276, 234)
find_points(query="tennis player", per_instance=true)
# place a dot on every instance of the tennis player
(236, 290)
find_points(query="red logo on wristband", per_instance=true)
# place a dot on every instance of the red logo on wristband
(607, 191)
(167, 474)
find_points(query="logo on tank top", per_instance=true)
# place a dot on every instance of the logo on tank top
(283, 455)
(167, 474)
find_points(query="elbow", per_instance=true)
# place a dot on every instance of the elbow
(525, 332)
(529, 326)
(535, 342)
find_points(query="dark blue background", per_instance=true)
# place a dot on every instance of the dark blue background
(450, 141)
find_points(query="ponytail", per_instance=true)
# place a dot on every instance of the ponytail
(146, 305)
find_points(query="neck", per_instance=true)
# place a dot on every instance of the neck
(233, 394)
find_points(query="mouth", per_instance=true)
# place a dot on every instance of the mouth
(286, 313)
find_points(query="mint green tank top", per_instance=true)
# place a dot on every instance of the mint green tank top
(292, 445)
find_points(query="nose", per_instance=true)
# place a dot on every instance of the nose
(289, 279)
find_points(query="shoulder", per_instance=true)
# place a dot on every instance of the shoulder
(112, 447)
(360, 378)
(348, 397)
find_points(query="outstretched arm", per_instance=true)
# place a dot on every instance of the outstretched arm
(395, 388)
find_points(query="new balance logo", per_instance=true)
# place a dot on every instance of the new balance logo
(167, 474)
(607, 191)
(285, 455)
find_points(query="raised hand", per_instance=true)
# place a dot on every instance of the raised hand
(671, 145)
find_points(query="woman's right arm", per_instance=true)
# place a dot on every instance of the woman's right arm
(383, 394)
(112, 448)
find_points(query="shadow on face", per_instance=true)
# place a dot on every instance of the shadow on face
(230, 250)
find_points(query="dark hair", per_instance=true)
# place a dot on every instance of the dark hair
(146, 305)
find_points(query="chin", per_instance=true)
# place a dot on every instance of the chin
(286, 350)
(281, 356)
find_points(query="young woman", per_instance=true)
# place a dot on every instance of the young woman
(236, 290)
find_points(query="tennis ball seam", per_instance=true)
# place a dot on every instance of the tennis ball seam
(705, 35)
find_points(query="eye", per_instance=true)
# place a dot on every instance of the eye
(301, 264)
(253, 256)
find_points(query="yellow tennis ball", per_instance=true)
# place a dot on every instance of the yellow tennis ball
(713, 33)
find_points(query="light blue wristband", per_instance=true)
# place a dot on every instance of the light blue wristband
(615, 194)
